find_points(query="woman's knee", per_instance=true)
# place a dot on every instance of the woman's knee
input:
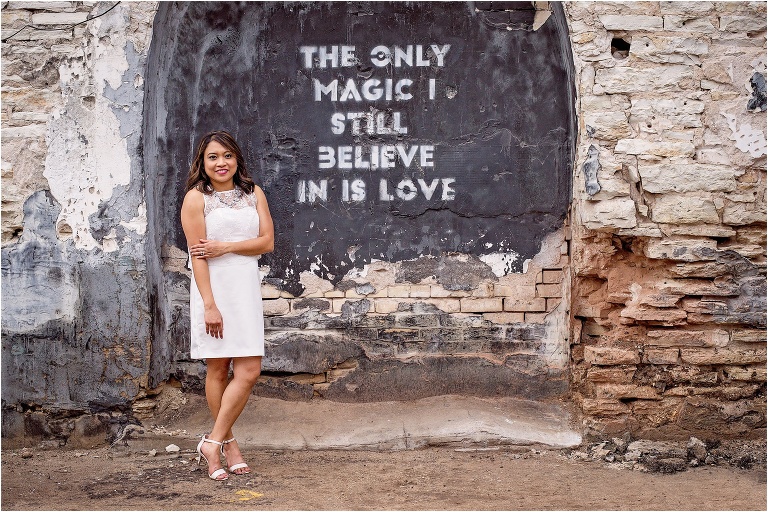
(248, 369)
(218, 369)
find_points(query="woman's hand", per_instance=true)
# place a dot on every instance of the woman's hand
(214, 323)
(207, 249)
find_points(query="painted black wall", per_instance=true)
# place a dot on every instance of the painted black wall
(502, 125)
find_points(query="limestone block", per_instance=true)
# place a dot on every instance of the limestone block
(669, 50)
(612, 184)
(681, 249)
(438, 291)
(59, 18)
(706, 307)
(688, 177)
(687, 8)
(661, 356)
(609, 214)
(504, 318)
(274, 307)
(605, 103)
(701, 230)
(659, 300)
(613, 374)
(743, 23)
(269, 291)
(722, 286)
(684, 209)
(662, 148)
(446, 305)
(741, 214)
(535, 318)
(610, 355)
(748, 335)
(662, 79)
(549, 276)
(663, 316)
(686, 338)
(44, 5)
(549, 290)
(712, 156)
(533, 305)
(400, 290)
(631, 22)
(678, 112)
(746, 374)
(421, 291)
(15, 19)
(604, 407)
(553, 303)
(689, 23)
(30, 131)
(702, 356)
(620, 391)
(481, 305)
(608, 125)
(484, 289)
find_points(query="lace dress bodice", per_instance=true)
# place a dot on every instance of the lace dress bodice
(231, 216)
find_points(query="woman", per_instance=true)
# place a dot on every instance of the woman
(227, 223)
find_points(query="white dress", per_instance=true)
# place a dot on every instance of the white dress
(230, 216)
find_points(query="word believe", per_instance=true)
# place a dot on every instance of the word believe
(374, 157)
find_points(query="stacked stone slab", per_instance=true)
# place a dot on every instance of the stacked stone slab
(668, 249)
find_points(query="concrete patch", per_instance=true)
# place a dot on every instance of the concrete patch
(444, 420)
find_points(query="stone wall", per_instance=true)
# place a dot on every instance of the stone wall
(669, 218)
(647, 307)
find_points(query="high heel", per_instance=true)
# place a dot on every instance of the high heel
(200, 458)
(239, 465)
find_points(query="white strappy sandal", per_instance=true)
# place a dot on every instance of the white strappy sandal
(239, 465)
(200, 458)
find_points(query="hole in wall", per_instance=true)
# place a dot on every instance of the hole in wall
(64, 229)
(619, 48)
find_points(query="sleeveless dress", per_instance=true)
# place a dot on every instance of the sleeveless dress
(230, 216)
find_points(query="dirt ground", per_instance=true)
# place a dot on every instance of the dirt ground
(505, 478)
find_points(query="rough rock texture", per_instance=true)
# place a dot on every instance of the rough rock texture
(669, 269)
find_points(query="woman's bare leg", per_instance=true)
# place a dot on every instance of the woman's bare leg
(232, 402)
(216, 380)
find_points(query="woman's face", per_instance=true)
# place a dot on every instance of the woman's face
(220, 166)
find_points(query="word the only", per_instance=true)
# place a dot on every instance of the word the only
(372, 89)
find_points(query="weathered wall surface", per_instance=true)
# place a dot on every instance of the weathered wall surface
(75, 313)
(669, 218)
(661, 265)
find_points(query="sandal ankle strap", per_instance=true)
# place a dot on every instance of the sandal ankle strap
(206, 439)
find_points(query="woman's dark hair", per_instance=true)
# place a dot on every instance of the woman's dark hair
(197, 177)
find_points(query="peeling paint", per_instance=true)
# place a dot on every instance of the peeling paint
(87, 155)
(749, 140)
(591, 168)
(758, 101)
(501, 263)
